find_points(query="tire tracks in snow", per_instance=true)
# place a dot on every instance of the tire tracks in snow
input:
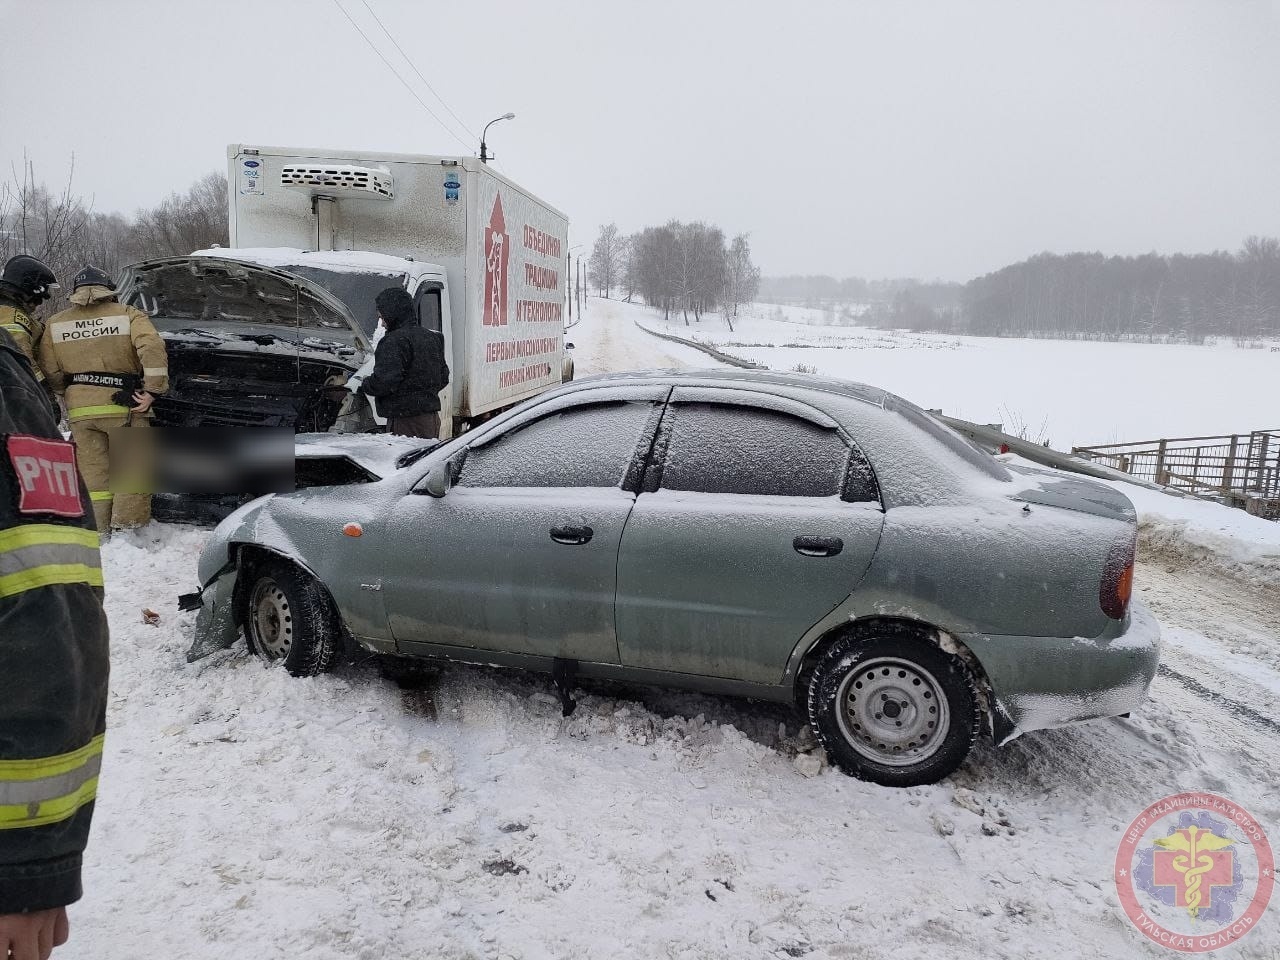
(1221, 637)
(1231, 706)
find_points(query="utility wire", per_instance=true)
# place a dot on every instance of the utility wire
(402, 80)
(417, 71)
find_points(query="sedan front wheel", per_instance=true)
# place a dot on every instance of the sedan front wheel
(891, 707)
(290, 620)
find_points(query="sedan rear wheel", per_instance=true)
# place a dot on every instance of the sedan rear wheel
(290, 620)
(891, 707)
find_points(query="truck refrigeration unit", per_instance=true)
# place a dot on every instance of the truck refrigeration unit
(270, 330)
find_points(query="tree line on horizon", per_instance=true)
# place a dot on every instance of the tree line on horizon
(1177, 298)
(60, 227)
(685, 267)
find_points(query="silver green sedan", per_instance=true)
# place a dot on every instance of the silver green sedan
(775, 536)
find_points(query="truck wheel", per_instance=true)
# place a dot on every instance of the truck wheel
(290, 620)
(893, 708)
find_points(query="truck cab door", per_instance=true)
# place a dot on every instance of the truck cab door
(431, 304)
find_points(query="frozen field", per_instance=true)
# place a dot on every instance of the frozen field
(1073, 393)
(243, 813)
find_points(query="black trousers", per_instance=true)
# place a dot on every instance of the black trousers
(423, 425)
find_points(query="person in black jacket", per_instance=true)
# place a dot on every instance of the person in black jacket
(53, 666)
(409, 369)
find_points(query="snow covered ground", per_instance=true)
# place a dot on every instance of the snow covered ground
(1073, 393)
(245, 813)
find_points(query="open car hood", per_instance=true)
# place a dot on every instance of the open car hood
(226, 296)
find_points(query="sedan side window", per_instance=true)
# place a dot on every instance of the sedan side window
(589, 446)
(719, 448)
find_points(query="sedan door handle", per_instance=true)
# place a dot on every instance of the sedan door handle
(818, 546)
(573, 536)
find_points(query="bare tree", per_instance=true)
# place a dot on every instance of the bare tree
(707, 243)
(61, 229)
(183, 222)
(654, 266)
(607, 258)
(742, 277)
(41, 223)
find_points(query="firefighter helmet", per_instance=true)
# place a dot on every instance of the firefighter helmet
(29, 278)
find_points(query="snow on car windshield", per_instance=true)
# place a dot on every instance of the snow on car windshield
(227, 292)
(356, 290)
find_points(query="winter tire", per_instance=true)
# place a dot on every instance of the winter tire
(891, 707)
(290, 620)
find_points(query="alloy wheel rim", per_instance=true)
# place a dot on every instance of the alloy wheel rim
(892, 711)
(272, 620)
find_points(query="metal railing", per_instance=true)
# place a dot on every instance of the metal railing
(1239, 467)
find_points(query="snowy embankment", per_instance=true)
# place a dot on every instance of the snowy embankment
(245, 813)
(1200, 531)
(1072, 393)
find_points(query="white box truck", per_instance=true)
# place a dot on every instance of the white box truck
(482, 257)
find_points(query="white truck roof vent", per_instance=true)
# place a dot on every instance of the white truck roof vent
(342, 179)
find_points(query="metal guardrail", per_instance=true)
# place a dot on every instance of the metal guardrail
(705, 348)
(1240, 468)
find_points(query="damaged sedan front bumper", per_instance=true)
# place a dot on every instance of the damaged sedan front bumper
(216, 626)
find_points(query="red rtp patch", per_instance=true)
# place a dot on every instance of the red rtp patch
(46, 475)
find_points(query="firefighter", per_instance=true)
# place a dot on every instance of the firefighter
(53, 666)
(108, 363)
(25, 283)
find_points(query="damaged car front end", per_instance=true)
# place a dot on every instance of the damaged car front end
(250, 345)
(322, 461)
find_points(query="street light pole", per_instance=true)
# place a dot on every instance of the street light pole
(484, 150)
(568, 280)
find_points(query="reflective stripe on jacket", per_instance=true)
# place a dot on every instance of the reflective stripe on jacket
(53, 659)
(99, 335)
(25, 330)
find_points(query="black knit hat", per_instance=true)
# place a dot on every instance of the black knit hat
(396, 307)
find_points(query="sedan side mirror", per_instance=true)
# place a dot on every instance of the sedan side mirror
(436, 482)
(568, 346)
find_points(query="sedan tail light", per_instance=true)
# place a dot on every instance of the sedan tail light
(1117, 579)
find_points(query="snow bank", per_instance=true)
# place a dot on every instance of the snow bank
(1200, 531)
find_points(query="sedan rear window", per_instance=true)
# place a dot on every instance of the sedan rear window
(589, 446)
(720, 448)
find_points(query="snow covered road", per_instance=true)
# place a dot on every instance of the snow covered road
(244, 813)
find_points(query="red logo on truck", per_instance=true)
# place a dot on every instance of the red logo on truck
(497, 253)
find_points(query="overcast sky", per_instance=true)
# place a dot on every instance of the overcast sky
(879, 139)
